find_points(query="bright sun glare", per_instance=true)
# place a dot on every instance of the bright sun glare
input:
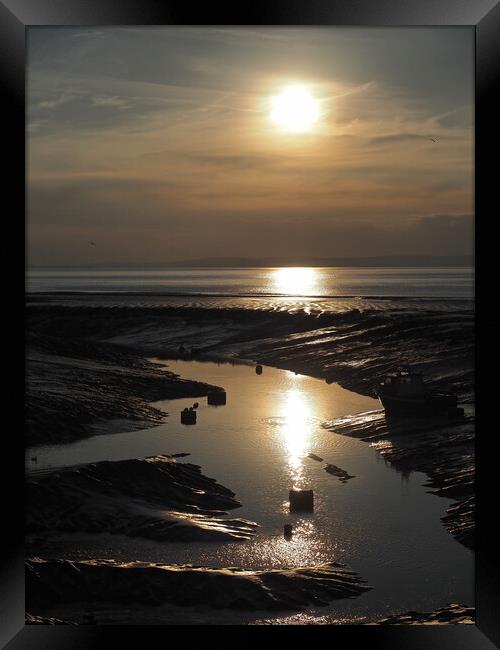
(295, 109)
(296, 427)
(294, 280)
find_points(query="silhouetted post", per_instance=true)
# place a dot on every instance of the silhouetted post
(301, 500)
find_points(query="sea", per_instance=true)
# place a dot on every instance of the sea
(284, 288)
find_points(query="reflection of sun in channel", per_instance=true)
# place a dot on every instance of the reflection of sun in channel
(296, 429)
(294, 280)
(295, 109)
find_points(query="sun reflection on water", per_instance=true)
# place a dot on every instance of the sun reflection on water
(305, 548)
(296, 430)
(295, 280)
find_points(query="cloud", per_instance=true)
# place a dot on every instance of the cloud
(57, 100)
(459, 118)
(85, 111)
(117, 102)
(162, 135)
(399, 137)
(48, 104)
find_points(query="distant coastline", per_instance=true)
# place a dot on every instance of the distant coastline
(386, 261)
(269, 285)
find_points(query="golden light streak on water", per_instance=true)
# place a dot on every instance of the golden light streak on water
(296, 431)
(295, 281)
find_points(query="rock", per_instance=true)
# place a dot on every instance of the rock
(301, 500)
(53, 582)
(31, 619)
(188, 416)
(451, 614)
(216, 397)
(154, 498)
(342, 475)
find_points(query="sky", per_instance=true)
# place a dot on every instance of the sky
(158, 144)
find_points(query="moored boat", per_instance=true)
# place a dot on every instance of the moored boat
(404, 393)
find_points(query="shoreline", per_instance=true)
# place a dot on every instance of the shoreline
(93, 384)
(141, 583)
(443, 449)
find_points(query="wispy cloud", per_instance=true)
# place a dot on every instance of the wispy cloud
(167, 131)
(117, 102)
(400, 137)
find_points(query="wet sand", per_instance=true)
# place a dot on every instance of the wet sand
(154, 498)
(452, 614)
(50, 582)
(353, 348)
(92, 382)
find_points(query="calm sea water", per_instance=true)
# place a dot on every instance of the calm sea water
(381, 523)
(310, 282)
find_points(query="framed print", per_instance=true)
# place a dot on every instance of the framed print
(256, 294)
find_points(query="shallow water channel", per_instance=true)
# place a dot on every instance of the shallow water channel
(382, 524)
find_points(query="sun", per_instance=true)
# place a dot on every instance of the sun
(295, 109)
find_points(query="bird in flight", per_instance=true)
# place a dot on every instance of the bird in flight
(434, 139)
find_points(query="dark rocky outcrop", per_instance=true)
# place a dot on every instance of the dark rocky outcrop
(154, 498)
(351, 347)
(31, 619)
(451, 614)
(53, 582)
(72, 384)
(340, 473)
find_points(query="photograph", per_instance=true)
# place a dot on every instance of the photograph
(250, 325)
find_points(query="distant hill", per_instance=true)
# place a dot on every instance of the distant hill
(422, 261)
(380, 261)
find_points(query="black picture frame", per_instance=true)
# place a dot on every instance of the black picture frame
(483, 16)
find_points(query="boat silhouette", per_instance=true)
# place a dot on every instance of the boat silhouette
(404, 393)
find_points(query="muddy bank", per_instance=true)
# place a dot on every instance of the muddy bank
(155, 498)
(74, 384)
(31, 619)
(441, 448)
(53, 582)
(451, 614)
(353, 348)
